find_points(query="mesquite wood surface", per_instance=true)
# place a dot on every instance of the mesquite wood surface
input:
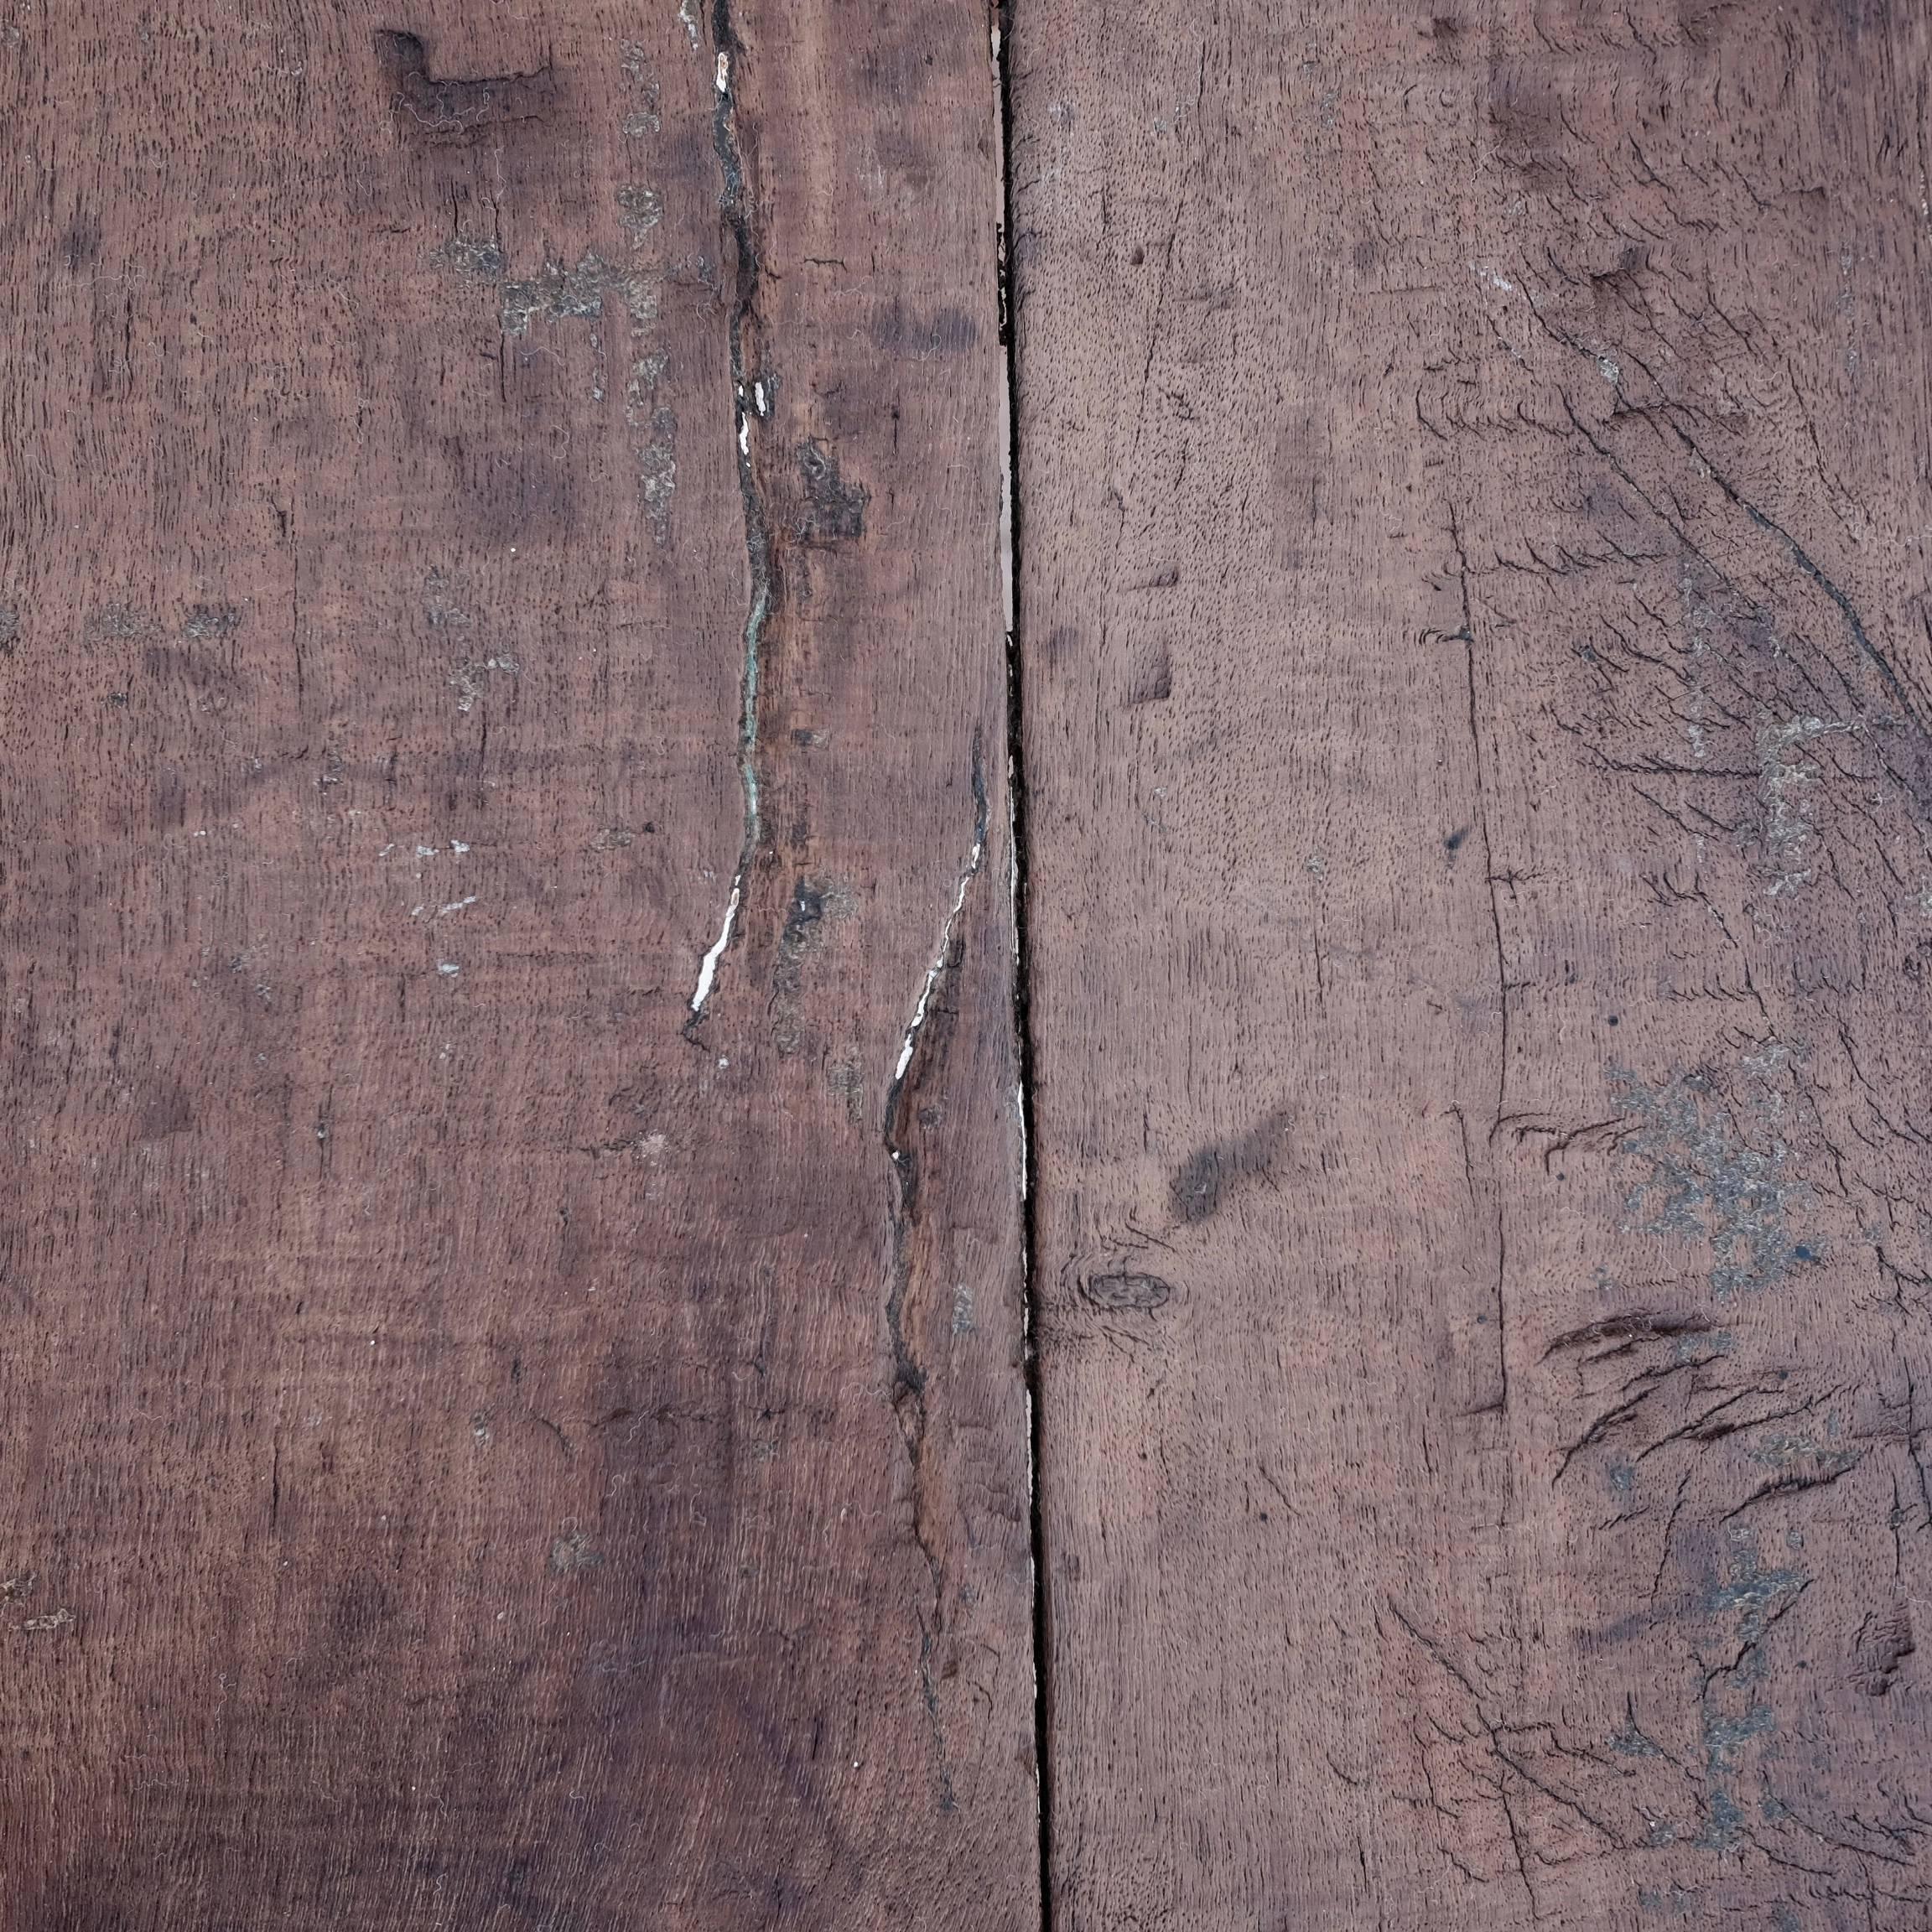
(1477, 690)
(486, 1446)
(519, 1251)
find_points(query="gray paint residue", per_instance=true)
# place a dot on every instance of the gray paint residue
(561, 293)
(1705, 1180)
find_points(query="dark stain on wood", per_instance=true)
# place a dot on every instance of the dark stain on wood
(834, 511)
(454, 111)
(1201, 1183)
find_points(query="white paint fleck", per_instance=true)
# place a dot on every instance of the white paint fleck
(938, 965)
(448, 968)
(1607, 367)
(724, 75)
(688, 14)
(468, 683)
(457, 846)
(457, 906)
(708, 967)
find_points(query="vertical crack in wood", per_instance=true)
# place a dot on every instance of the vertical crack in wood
(751, 399)
(908, 1377)
(1001, 30)
(909, 1045)
(1499, 1404)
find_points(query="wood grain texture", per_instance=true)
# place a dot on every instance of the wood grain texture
(1474, 610)
(487, 1445)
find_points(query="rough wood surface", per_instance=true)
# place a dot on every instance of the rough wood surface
(1478, 696)
(486, 1445)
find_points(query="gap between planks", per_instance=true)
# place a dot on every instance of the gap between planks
(1009, 541)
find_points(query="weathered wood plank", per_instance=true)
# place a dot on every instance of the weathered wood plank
(1477, 686)
(487, 1444)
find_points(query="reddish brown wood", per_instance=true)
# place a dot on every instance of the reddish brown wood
(484, 1445)
(1473, 603)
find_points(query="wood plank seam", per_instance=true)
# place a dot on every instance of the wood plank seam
(1019, 834)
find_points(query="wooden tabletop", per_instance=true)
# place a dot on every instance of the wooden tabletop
(965, 970)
